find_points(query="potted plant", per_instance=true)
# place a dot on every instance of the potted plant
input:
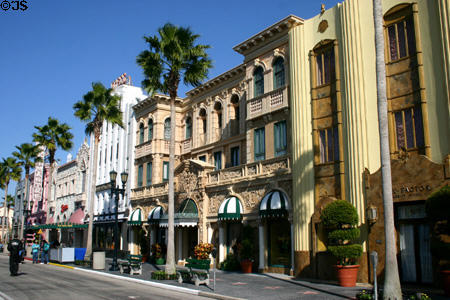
(438, 208)
(246, 254)
(202, 251)
(157, 254)
(340, 219)
(144, 245)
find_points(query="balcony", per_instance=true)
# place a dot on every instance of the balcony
(278, 165)
(143, 149)
(267, 103)
(157, 189)
(186, 146)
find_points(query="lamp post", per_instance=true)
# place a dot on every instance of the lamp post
(116, 191)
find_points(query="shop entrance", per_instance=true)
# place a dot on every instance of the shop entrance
(279, 241)
(414, 243)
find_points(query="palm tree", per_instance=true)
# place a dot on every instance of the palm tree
(172, 57)
(28, 156)
(51, 136)
(392, 288)
(9, 170)
(97, 106)
(9, 203)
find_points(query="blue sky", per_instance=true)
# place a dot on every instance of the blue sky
(52, 52)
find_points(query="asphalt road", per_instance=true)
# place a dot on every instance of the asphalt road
(52, 282)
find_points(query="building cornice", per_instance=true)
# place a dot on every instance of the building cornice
(271, 31)
(217, 80)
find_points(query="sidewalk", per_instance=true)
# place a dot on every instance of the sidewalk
(235, 285)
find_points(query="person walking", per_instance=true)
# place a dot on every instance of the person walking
(14, 246)
(41, 252)
(35, 251)
(45, 249)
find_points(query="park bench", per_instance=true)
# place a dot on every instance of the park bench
(197, 271)
(132, 265)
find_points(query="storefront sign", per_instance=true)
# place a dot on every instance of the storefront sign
(405, 191)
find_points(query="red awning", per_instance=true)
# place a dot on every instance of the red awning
(77, 217)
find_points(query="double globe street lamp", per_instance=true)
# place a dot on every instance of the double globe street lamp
(116, 191)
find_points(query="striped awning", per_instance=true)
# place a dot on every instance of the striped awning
(274, 204)
(155, 215)
(58, 225)
(135, 219)
(187, 215)
(230, 209)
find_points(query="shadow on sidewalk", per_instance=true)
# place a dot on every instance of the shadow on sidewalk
(322, 290)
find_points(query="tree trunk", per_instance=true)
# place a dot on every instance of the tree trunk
(170, 259)
(392, 288)
(87, 256)
(49, 197)
(22, 216)
(4, 212)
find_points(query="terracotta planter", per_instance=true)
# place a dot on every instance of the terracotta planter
(246, 266)
(347, 275)
(445, 275)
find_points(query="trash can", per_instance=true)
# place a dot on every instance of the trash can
(98, 260)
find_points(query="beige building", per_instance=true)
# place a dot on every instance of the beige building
(295, 127)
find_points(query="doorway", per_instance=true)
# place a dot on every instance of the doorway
(414, 241)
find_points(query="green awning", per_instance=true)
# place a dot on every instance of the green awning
(135, 219)
(230, 209)
(274, 204)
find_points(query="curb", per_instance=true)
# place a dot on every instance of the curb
(161, 285)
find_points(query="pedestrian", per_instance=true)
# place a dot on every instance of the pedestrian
(41, 252)
(45, 250)
(14, 246)
(35, 251)
(23, 252)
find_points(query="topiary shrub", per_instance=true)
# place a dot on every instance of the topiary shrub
(340, 218)
(438, 208)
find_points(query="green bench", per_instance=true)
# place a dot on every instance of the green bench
(132, 265)
(197, 271)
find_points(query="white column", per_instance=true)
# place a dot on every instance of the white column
(210, 234)
(221, 243)
(180, 243)
(292, 248)
(261, 246)
(152, 235)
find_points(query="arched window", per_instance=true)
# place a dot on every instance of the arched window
(167, 129)
(258, 78)
(150, 129)
(202, 115)
(188, 127)
(141, 133)
(278, 73)
(218, 109)
(235, 108)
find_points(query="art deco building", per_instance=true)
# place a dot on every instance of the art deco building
(115, 152)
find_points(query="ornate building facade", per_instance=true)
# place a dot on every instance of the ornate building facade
(69, 192)
(233, 158)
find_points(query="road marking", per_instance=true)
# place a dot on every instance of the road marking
(3, 296)
(63, 266)
(272, 287)
(308, 293)
(238, 283)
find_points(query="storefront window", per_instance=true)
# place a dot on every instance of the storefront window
(279, 234)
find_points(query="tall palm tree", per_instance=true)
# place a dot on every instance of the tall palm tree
(9, 203)
(172, 57)
(9, 170)
(392, 288)
(52, 136)
(27, 155)
(97, 106)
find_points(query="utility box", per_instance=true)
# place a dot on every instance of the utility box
(98, 260)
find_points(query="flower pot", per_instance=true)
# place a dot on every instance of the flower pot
(347, 275)
(246, 266)
(144, 258)
(445, 275)
(160, 261)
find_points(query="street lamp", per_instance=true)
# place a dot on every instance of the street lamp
(116, 191)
